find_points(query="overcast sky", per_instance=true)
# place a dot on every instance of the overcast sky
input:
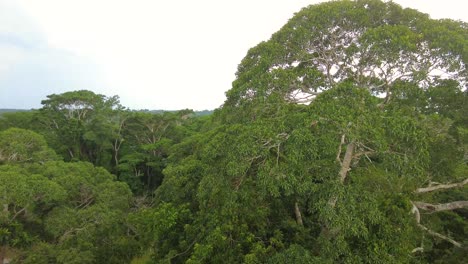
(153, 54)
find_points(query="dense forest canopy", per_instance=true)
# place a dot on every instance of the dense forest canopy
(344, 139)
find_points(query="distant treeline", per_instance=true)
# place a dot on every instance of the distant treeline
(160, 111)
(7, 110)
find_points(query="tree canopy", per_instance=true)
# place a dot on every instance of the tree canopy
(343, 140)
(375, 45)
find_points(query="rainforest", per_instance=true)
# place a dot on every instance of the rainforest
(344, 139)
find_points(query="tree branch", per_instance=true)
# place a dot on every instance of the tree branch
(416, 213)
(345, 168)
(338, 155)
(185, 251)
(441, 207)
(17, 213)
(448, 239)
(70, 232)
(346, 165)
(87, 201)
(297, 212)
(441, 186)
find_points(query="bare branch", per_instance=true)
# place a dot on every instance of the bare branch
(441, 186)
(339, 149)
(70, 232)
(345, 168)
(297, 212)
(17, 213)
(448, 239)
(441, 207)
(418, 249)
(346, 165)
(416, 213)
(185, 251)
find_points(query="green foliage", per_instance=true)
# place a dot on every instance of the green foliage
(20, 119)
(371, 91)
(147, 139)
(242, 180)
(157, 228)
(76, 208)
(81, 125)
(20, 145)
(329, 130)
(373, 44)
(295, 254)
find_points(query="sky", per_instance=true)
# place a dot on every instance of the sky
(153, 54)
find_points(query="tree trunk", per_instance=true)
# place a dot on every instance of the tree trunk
(116, 156)
(345, 168)
(346, 165)
(70, 152)
(297, 211)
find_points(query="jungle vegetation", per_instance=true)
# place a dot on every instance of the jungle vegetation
(344, 139)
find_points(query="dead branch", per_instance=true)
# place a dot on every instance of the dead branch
(69, 233)
(346, 165)
(85, 203)
(448, 239)
(17, 214)
(297, 212)
(338, 155)
(345, 168)
(416, 213)
(441, 207)
(441, 186)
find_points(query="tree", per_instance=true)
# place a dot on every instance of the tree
(375, 45)
(148, 140)
(74, 210)
(59, 212)
(22, 195)
(339, 103)
(80, 125)
(301, 177)
(20, 145)
(20, 119)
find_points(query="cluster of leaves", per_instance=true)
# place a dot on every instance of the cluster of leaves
(60, 212)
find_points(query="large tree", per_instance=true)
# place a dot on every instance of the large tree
(82, 125)
(326, 143)
(376, 45)
(57, 212)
